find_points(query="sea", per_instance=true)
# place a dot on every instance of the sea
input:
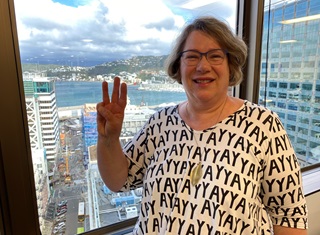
(75, 93)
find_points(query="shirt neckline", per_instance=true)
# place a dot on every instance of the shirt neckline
(176, 107)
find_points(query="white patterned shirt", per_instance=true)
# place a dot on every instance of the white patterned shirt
(250, 180)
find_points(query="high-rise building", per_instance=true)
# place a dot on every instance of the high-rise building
(135, 118)
(42, 115)
(290, 75)
(43, 125)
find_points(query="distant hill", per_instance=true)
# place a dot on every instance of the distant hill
(38, 67)
(133, 65)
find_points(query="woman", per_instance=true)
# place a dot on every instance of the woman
(213, 164)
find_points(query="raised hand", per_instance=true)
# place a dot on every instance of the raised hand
(110, 115)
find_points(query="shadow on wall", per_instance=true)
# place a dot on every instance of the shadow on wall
(313, 204)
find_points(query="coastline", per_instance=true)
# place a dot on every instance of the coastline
(74, 94)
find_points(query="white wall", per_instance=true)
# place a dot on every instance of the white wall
(313, 204)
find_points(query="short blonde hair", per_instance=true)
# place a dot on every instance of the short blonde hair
(221, 32)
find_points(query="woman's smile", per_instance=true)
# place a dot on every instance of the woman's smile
(203, 81)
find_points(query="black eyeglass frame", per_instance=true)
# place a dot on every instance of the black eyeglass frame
(225, 52)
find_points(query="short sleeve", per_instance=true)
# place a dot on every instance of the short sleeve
(282, 188)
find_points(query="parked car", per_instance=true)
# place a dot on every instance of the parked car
(60, 225)
(62, 207)
(61, 212)
(58, 210)
(58, 230)
(63, 203)
(61, 218)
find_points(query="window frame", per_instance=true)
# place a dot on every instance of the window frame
(18, 197)
(19, 214)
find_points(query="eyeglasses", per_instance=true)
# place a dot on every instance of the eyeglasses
(193, 57)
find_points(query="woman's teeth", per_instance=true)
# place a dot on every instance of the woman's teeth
(203, 81)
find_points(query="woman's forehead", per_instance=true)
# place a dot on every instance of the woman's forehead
(198, 39)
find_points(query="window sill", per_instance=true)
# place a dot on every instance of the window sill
(310, 178)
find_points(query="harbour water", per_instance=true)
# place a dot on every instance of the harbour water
(76, 93)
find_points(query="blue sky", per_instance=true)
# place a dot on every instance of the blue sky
(91, 32)
(72, 3)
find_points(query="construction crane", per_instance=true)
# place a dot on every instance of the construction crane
(67, 178)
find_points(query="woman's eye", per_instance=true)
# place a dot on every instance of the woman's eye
(192, 56)
(215, 56)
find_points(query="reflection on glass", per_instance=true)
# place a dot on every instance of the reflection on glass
(289, 82)
(67, 48)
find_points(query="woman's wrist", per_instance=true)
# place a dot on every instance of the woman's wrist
(107, 139)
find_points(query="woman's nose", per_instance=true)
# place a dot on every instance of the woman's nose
(203, 64)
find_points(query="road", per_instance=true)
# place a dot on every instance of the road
(73, 194)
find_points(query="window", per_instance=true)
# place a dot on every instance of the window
(301, 9)
(283, 85)
(67, 48)
(273, 84)
(299, 56)
(289, 12)
(16, 174)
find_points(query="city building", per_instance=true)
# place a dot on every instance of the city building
(42, 115)
(42, 118)
(135, 118)
(41, 182)
(105, 207)
(289, 81)
(89, 130)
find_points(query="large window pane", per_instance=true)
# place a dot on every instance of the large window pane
(289, 80)
(67, 48)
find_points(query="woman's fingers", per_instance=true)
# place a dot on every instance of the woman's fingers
(123, 95)
(110, 113)
(119, 93)
(105, 93)
(115, 92)
(118, 99)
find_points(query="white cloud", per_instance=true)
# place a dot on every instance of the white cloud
(99, 30)
(137, 15)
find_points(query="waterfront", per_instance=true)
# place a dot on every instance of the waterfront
(78, 93)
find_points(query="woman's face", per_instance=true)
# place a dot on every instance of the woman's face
(204, 82)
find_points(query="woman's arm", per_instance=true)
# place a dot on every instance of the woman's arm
(112, 163)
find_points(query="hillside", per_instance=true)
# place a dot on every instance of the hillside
(133, 65)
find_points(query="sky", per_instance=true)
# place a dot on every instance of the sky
(92, 32)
